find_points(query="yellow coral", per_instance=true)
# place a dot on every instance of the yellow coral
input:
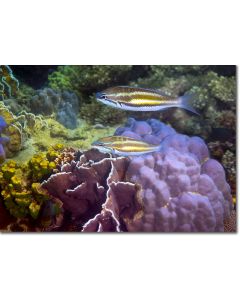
(21, 188)
(34, 209)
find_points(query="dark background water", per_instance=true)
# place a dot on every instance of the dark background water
(37, 75)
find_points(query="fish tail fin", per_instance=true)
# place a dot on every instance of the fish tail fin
(186, 103)
(159, 148)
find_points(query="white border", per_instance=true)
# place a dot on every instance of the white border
(133, 266)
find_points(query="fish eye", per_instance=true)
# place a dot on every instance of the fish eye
(104, 97)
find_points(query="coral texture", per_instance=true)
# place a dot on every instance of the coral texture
(183, 189)
(20, 189)
(19, 128)
(178, 189)
(85, 79)
(94, 113)
(64, 104)
(13, 131)
(67, 116)
(8, 83)
(93, 191)
(3, 140)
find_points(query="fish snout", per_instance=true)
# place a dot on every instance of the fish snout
(98, 95)
(101, 96)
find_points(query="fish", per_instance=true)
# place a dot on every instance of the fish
(142, 99)
(124, 146)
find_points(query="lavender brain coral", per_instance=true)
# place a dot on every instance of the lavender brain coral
(183, 190)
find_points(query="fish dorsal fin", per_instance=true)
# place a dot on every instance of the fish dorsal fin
(126, 138)
(123, 138)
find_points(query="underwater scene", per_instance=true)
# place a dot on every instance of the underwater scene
(118, 148)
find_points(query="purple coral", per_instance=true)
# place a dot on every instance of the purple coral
(92, 190)
(177, 189)
(183, 189)
(3, 140)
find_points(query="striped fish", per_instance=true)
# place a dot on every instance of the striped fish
(141, 99)
(124, 146)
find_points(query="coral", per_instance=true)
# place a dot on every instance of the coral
(229, 163)
(227, 119)
(67, 116)
(223, 88)
(45, 101)
(8, 83)
(87, 79)
(179, 188)
(213, 95)
(20, 101)
(65, 156)
(230, 224)
(13, 131)
(64, 104)
(183, 189)
(21, 190)
(18, 129)
(3, 140)
(43, 132)
(91, 189)
(224, 151)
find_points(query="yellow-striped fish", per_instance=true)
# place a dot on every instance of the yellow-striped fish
(141, 99)
(124, 146)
